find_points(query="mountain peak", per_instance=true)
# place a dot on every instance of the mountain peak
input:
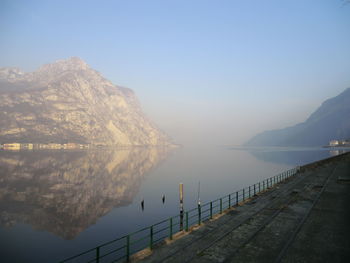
(73, 63)
(67, 101)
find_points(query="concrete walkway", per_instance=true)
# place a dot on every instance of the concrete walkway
(305, 219)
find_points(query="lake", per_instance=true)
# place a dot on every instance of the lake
(55, 204)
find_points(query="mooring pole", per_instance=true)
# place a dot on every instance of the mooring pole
(199, 191)
(181, 190)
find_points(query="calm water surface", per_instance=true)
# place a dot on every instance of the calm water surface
(55, 204)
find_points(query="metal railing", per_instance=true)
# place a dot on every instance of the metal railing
(122, 248)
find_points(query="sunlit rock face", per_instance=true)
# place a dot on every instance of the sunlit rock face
(67, 101)
(64, 192)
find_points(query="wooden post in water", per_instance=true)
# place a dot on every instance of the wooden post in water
(181, 191)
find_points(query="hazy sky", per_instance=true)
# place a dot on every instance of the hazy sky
(205, 71)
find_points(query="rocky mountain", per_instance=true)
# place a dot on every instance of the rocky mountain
(64, 192)
(330, 121)
(67, 101)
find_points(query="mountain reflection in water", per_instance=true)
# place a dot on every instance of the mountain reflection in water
(65, 192)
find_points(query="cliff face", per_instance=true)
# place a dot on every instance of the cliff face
(330, 121)
(66, 192)
(67, 101)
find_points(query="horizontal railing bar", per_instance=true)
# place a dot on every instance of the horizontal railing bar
(83, 253)
(161, 222)
(139, 231)
(160, 239)
(203, 211)
(190, 217)
(194, 209)
(162, 229)
(176, 223)
(111, 252)
(138, 240)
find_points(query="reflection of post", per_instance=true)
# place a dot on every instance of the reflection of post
(181, 189)
(143, 204)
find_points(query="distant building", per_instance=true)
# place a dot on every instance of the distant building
(12, 146)
(28, 146)
(334, 143)
(344, 142)
(54, 146)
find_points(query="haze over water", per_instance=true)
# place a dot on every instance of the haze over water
(64, 202)
(207, 73)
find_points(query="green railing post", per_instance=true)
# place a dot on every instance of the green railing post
(236, 198)
(151, 238)
(199, 215)
(243, 194)
(254, 190)
(171, 228)
(229, 201)
(186, 222)
(249, 192)
(97, 254)
(211, 210)
(220, 205)
(127, 248)
(259, 188)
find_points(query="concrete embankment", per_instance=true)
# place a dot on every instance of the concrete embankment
(304, 219)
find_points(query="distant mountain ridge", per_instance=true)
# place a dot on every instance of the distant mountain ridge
(67, 101)
(330, 121)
